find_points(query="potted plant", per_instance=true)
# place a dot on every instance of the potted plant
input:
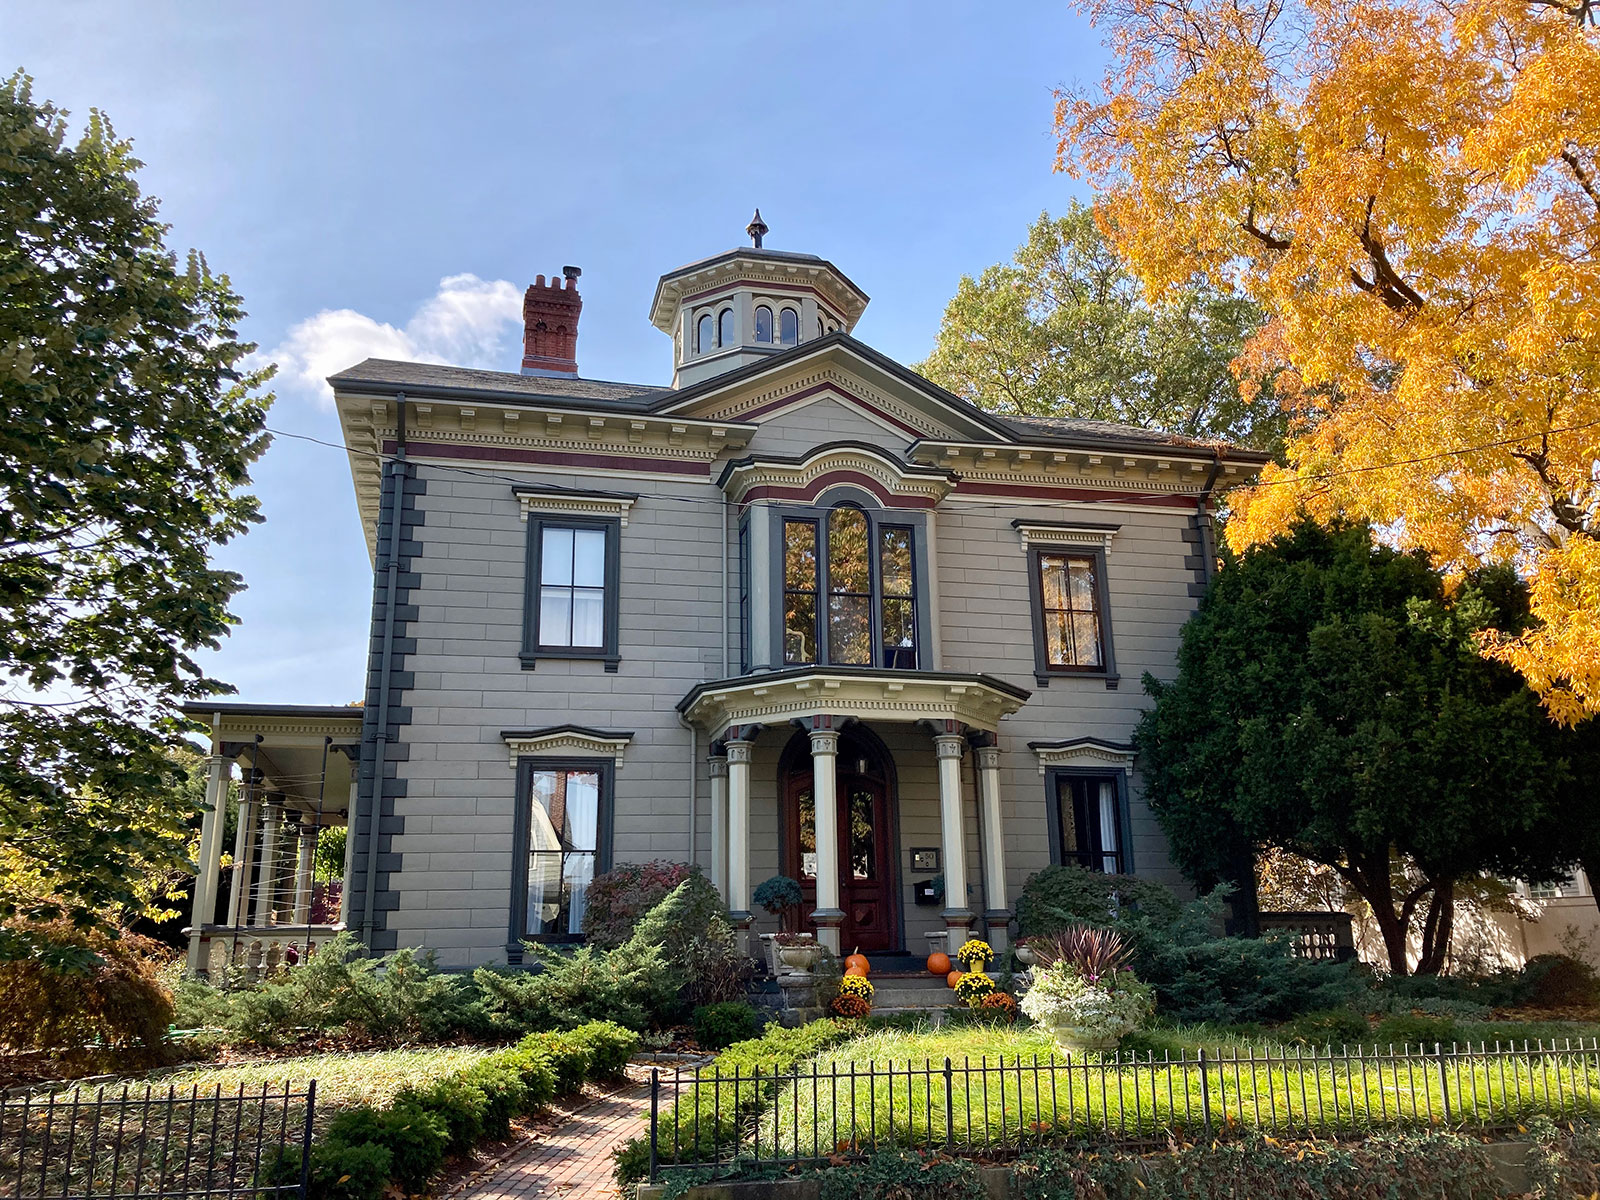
(1083, 994)
(798, 951)
(975, 955)
(780, 896)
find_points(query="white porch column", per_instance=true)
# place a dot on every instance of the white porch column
(349, 846)
(210, 859)
(825, 808)
(717, 766)
(266, 883)
(243, 852)
(304, 873)
(998, 915)
(739, 840)
(948, 746)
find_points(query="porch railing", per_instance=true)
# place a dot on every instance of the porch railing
(726, 1121)
(157, 1143)
(250, 951)
(1316, 934)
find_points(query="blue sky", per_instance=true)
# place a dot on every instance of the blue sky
(385, 179)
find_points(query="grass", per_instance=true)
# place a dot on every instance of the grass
(1008, 1087)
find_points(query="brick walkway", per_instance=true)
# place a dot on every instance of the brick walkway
(574, 1159)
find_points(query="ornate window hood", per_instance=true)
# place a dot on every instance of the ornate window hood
(570, 501)
(566, 739)
(1083, 752)
(1046, 533)
(801, 479)
(980, 701)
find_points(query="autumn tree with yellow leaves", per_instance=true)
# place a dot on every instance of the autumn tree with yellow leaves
(1411, 190)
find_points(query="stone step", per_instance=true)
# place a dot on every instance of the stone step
(918, 998)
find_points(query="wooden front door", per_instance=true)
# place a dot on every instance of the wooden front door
(866, 852)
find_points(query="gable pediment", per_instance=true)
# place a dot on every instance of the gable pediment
(843, 371)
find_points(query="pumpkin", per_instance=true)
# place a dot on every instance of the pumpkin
(856, 964)
(953, 978)
(938, 964)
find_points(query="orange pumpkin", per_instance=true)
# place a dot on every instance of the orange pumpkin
(938, 964)
(856, 964)
(953, 978)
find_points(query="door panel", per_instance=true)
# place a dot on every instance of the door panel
(865, 855)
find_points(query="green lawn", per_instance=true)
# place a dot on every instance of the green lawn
(998, 1099)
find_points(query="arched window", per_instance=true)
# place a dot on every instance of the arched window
(703, 334)
(819, 326)
(725, 328)
(788, 327)
(763, 324)
(849, 587)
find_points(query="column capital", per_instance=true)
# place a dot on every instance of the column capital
(739, 753)
(717, 765)
(949, 745)
(824, 742)
(988, 757)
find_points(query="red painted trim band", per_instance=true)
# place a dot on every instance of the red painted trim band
(556, 458)
(833, 479)
(1033, 491)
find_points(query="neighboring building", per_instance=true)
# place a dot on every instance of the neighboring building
(802, 611)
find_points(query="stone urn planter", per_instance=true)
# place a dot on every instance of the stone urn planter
(1025, 954)
(800, 957)
(1078, 1040)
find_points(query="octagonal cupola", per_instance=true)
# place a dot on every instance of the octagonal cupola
(747, 304)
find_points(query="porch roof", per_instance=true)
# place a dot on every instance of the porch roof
(866, 693)
(290, 749)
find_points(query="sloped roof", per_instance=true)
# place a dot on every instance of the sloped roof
(1080, 430)
(428, 378)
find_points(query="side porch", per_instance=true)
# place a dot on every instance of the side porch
(294, 767)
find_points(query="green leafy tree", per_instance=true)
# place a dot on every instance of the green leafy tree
(128, 421)
(1063, 330)
(1330, 703)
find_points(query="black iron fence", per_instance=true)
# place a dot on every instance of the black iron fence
(1003, 1106)
(156, 1143)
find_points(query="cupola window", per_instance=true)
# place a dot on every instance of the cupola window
(704, 334)
(763, 324)
(788, 327)
(725, 328)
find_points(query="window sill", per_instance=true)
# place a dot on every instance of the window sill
(1111, 678)
(530, 658)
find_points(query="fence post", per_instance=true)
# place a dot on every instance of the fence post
(1205, 1094)
(655, 1108)
(305, 1139)
(949, 1106)
(1444, 1083)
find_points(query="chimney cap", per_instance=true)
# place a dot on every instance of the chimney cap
(572, 272)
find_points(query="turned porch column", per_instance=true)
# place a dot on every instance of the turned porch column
(825, 813)
(267, 883)
(998, 914)
(949, 742)
(305, 873)
(717, 766)
(204, 911)
(739, 752)
(244, 846)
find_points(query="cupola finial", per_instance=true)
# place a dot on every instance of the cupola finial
(757, 229)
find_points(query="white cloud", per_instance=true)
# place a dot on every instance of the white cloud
(468, 322)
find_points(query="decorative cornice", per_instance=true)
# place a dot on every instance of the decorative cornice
(1047, 533)
(571, 739)
(759, 477)
(979, 701)
(1082, 752)
(831, 382)
(570, 503)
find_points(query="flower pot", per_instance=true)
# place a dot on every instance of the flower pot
(1078, 1040)
(800, 958)
(1026, 956)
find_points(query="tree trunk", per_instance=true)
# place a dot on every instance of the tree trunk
(1376, 889)
(1244, 906)
(1437, 929)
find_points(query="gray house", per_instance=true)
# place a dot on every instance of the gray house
(800, 611)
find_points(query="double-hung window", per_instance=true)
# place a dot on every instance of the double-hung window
(849, 590)
(1086, 821)
(571, 605)
(1072, 625)
(563, 839)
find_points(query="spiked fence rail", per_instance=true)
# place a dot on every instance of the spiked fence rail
(1000, 1107)
(157, 1144)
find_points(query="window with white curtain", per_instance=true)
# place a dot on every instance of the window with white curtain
(1088, 820)
(570, 603)
(563, 843)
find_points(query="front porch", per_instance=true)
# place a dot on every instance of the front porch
(296, 769)
(830, 775)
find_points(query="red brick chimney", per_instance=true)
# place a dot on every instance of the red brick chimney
(550, 325)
